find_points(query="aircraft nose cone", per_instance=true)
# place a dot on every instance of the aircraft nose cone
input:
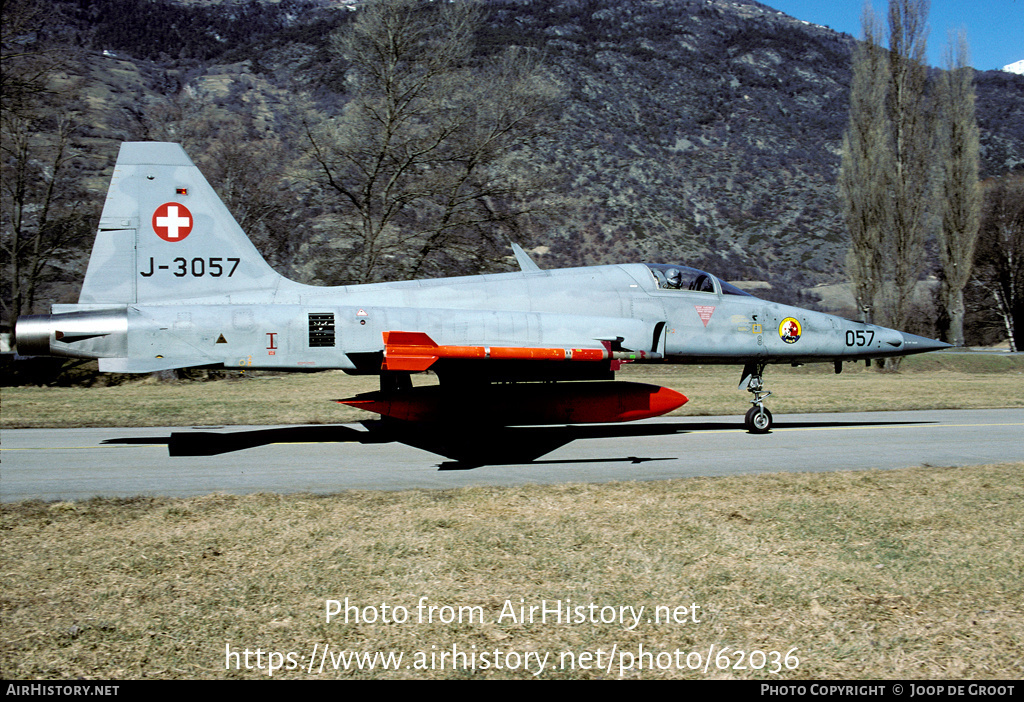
(920, 344)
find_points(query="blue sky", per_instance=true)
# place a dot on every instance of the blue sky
(995, 28)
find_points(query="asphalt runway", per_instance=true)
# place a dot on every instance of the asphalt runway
(75, 464)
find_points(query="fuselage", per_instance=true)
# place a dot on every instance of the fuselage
(294, 326)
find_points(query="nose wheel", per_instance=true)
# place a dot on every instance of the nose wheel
(758, 419)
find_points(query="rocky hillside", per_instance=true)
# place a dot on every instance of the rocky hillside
(702, 131)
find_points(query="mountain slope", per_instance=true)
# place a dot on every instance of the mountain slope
(700, 131)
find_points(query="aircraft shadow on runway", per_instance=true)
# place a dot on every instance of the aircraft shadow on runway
(466, 447)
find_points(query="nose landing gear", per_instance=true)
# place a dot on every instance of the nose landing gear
(758, 419)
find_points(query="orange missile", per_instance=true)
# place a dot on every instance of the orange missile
(526, 403)
(416, 351)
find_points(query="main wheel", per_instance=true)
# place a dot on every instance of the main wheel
(758, 420)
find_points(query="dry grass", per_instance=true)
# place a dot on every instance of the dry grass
(932, 382)
(896, 574)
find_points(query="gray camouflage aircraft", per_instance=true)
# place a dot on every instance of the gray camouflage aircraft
(174, 282)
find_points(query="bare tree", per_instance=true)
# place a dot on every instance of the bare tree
(961, 192)
(251, 175)
(39, 226)
(185, 117)
(913, 151)
(422, 161)
(999, 260)
(42, 220)
(866, 168)
(247, 168)
(887, 185)
(26, 65)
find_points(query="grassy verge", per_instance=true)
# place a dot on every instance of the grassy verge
(896, 574)
(938, 381)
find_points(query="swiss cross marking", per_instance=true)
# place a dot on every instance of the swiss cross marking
(705, 312)
(172, 222)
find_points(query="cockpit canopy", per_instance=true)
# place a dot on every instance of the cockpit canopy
(672, 277)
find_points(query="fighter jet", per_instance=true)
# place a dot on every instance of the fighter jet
(174, 282)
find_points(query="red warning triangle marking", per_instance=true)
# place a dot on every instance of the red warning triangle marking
(705, 312)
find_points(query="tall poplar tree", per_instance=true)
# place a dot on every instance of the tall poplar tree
(886, 183)
(865, 169)
(913, 152)
(961, 191)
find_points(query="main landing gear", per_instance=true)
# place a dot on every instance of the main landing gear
(758, 419)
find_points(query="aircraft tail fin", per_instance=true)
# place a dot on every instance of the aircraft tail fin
(165, 235)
